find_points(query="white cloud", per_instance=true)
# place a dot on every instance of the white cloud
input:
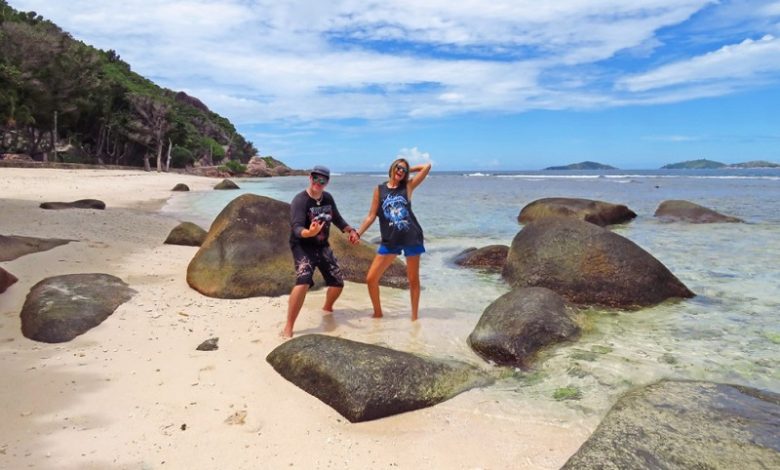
(746, 60)
(308, 60)
(415, 156)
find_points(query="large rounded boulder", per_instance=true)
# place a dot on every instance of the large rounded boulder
(364, 381)
(686, 425)
(520, 323)
(596, 212)
(587, 264)
(246, 251)
(60, 308)
(685, 211)
(247, 254)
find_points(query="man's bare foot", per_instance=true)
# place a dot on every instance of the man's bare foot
(377, 315)
(284, 334)
(327, 311)
(414, 317)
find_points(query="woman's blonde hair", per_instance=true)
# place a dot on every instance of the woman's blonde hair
(392, 170)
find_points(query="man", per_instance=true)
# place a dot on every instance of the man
(311, 213)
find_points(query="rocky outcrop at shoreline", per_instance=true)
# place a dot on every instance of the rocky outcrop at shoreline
(590, 265)
(596, 212)
(685, 425)
(685, 211)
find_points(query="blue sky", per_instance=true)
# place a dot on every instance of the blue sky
(468, 85)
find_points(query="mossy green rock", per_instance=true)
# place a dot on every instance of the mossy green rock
(589, 265)
(685, 211)
(246, 253)
(60, 308)
(686, 425)
(186, 233)
(596, 212)
(364, 381)
(519, 324)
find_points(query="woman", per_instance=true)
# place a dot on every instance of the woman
(401, 233)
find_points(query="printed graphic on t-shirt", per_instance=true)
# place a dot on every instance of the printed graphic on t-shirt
(325, 213)
(395, 209)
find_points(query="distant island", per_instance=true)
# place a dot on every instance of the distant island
(756, 164)
(583, 166)
(704, 164)
(700, 164)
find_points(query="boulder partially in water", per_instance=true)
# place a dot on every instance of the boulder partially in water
(685, 211)
(488, 258)
(596, 212)
(590, 265)
(685, 425)
(226, 184)
(520, 323)
(364, 381)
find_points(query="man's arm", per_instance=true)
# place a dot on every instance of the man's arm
(298, 217)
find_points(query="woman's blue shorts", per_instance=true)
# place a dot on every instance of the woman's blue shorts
(408, 250)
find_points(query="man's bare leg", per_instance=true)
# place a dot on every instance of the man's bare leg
(297, 296)
(330, 298)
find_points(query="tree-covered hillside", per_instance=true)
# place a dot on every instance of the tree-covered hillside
(63, 100)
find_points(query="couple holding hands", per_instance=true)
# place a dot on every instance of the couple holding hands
(313, 211)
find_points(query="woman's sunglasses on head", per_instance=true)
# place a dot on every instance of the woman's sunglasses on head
(319, 179)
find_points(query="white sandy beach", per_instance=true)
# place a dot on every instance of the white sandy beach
(133, 393)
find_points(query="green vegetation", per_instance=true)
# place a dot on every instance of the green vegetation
(583, 166)
(234, 167)
(701, 164)
(62, 98)
(567, 393)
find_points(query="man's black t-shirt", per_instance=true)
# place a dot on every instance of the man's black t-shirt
(303, 209)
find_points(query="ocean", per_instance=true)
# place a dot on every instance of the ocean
(729, 332)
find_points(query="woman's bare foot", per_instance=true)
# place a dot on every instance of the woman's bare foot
(377, 315)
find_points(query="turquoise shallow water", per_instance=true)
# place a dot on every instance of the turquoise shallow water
(728, 333)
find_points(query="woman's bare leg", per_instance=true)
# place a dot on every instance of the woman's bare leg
(375, 272)
(413, 274)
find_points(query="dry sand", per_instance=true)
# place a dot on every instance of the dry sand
(134, 393)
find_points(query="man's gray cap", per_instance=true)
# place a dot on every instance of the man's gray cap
(321, 170)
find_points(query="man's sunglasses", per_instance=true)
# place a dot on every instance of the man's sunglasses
(319, 179)
(402, 169)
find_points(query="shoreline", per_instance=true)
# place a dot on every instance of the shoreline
(134, 393)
